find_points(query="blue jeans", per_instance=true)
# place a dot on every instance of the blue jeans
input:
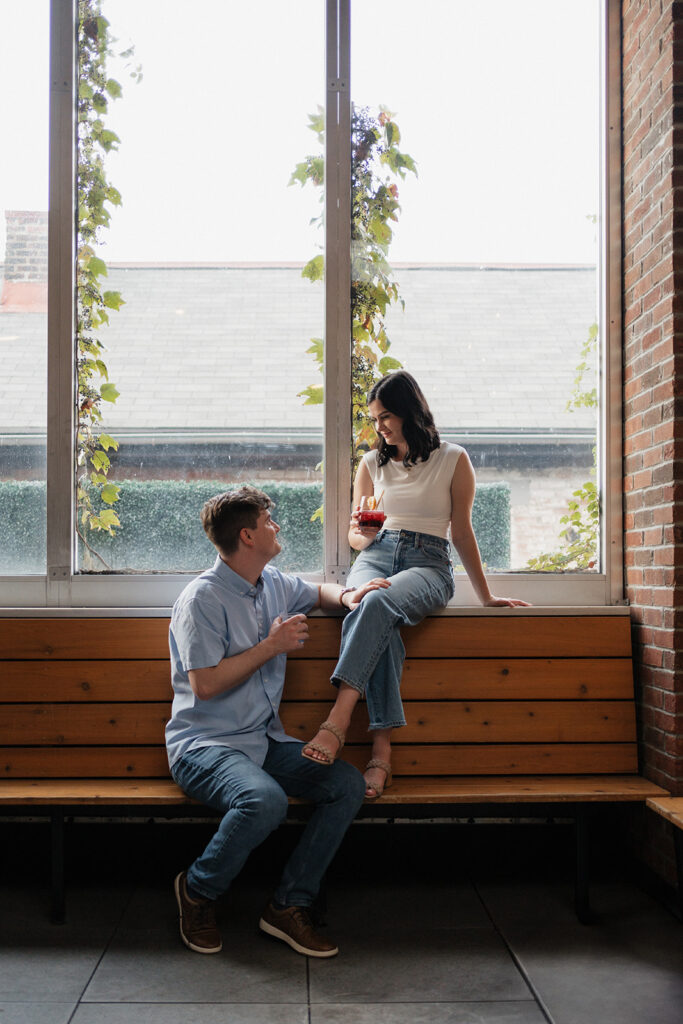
(253, 801)
(371, 655)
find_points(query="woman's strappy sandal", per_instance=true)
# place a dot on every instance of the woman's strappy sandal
(377, 762)
(328, 756)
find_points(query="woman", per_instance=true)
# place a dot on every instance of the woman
(428, 485)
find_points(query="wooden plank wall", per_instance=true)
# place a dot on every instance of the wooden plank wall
(483, 695)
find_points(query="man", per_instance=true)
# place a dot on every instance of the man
(231, 630)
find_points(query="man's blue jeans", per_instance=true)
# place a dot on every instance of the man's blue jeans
(253, 801)
(371, 655)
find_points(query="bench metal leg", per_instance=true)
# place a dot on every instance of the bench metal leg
(581, 890)
(57, 913)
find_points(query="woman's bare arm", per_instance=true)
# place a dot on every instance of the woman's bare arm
(463, 486)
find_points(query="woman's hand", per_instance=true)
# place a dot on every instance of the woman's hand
(357, 595)
(505, 602)
(361, 537)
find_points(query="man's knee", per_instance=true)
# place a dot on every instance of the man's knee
(348, 783)
(267, 802)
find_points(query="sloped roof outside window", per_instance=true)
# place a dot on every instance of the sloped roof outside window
(212, 347)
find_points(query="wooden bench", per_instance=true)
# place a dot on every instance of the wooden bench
(671, 809)
(506, 712)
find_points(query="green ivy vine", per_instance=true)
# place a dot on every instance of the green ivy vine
(376, 164)
(96, 196)
(581, 521)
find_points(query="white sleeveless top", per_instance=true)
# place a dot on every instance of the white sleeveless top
(418, 497)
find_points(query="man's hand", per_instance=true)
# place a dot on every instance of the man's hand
(356, 596)
(288, 634)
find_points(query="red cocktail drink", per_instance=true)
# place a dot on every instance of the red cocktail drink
(371, 517)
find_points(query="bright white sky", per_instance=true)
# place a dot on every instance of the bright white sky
(495, 101)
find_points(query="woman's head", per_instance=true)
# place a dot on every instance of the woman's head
(400, 394)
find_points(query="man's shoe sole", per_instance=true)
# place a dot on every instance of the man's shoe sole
(190, 945)
(277, 933)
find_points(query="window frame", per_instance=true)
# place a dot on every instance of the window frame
(64, 588)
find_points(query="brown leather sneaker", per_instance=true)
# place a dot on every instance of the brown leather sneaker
(198, 928)
(293, 925)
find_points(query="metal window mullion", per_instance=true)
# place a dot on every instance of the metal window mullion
(611, 404)
(60, 320)
(337, 374)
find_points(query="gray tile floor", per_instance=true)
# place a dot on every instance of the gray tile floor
(445, 950)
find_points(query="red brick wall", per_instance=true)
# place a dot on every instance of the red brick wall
(653, 408)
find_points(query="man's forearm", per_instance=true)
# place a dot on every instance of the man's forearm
(231, 672)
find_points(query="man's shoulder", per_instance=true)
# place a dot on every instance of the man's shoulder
(203, 588)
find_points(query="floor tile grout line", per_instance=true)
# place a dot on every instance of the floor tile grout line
(104, 952)
(308, 990)
(515, 959)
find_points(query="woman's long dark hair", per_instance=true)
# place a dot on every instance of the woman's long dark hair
(400, 393)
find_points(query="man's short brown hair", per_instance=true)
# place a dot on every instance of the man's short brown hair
(225, 516)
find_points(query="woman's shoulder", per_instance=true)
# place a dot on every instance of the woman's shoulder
(450, 452)
(370, 458)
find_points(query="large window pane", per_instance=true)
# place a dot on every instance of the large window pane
(495, 250)
(24, 81)
(209, 350)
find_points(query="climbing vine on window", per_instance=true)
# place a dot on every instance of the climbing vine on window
(96, 195)
(376, 165)
(581, 521)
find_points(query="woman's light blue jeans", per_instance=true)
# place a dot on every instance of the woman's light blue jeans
(253, 801)
(372, 653)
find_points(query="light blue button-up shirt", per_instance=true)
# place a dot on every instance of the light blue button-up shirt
(220, 614)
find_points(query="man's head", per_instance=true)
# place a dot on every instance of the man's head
(226, 515)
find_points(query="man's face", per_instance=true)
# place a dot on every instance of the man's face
(265, 536)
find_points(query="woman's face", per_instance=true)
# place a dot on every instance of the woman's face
(386, 423)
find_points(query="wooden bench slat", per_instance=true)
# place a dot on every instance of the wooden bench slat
(485, 721)
(469, 789)
(669, 807)
(116, 680)
(508, 636)
(423, 679)
(98, 638)
(500, 636)
(65, 724)
(409, 759)
(441, 721)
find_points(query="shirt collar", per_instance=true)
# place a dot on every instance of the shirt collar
(233, 581)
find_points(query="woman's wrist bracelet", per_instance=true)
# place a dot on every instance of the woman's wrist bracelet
(346, 590)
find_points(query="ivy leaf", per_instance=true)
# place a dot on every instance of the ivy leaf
(314, 395)
(97, 267)
(113, 88)
(107, 442)
(300, 174)
(314, 269)
(113, 300)
(316, 349)
(388, 363)
(105, 520)
(316, 122)
(109, 392)
(110, 493)
(100, 461)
